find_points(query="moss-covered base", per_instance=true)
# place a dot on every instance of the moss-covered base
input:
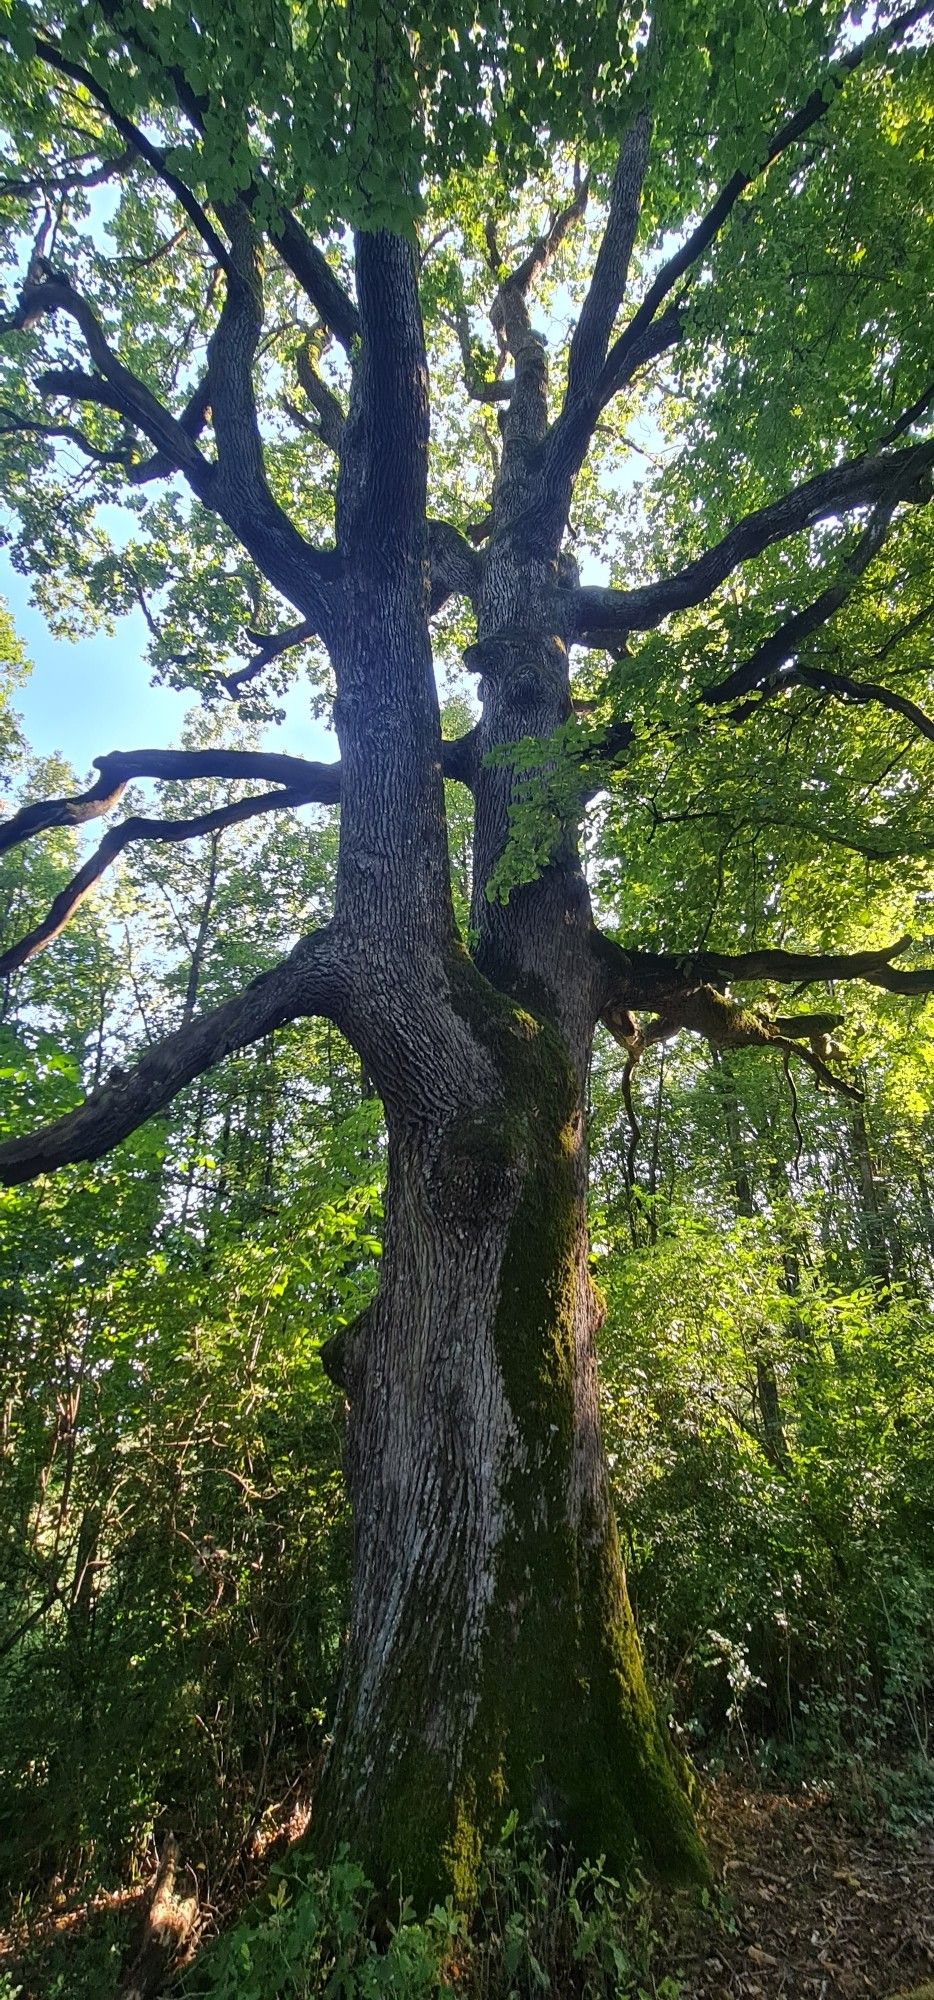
(555, 1718)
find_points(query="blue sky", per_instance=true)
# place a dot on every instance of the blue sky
(96, 695)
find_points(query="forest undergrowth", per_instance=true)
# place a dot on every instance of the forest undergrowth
(174, 1540)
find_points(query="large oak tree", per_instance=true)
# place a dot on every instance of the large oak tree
(236, 238)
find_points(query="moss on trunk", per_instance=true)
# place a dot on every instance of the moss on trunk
(552, 1714)
(572, 1725)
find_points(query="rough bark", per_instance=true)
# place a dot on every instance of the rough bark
(492, 1659)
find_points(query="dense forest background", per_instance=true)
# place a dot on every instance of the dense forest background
(173, 1537)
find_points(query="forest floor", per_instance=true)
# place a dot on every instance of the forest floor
(808, 1906)
(811, 1906)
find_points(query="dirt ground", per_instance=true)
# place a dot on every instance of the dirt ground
(809, 1907)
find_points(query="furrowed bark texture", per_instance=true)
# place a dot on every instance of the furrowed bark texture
(491, 1657)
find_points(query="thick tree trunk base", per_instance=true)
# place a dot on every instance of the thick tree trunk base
(492, 1662)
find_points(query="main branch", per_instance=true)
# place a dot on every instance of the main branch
(124, 834)
(308, 784)
(617, 369)
(594, 613)
(654, 979)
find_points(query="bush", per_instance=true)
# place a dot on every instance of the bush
(543, 1926)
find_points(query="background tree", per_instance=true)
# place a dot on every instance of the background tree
(288, 417)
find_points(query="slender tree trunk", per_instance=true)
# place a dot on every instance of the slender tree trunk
(768, 1396)
(872, 1221)
(927, 1214)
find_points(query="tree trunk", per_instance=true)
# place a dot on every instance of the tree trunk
(492, 1659)
(872, 1221)
(768, 1398)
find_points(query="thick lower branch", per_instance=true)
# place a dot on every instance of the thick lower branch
(311, 784)
(303, 782)
(653, 979)
(123, 835)
(305, 983)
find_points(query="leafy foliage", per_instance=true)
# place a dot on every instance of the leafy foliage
(173, 1540)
